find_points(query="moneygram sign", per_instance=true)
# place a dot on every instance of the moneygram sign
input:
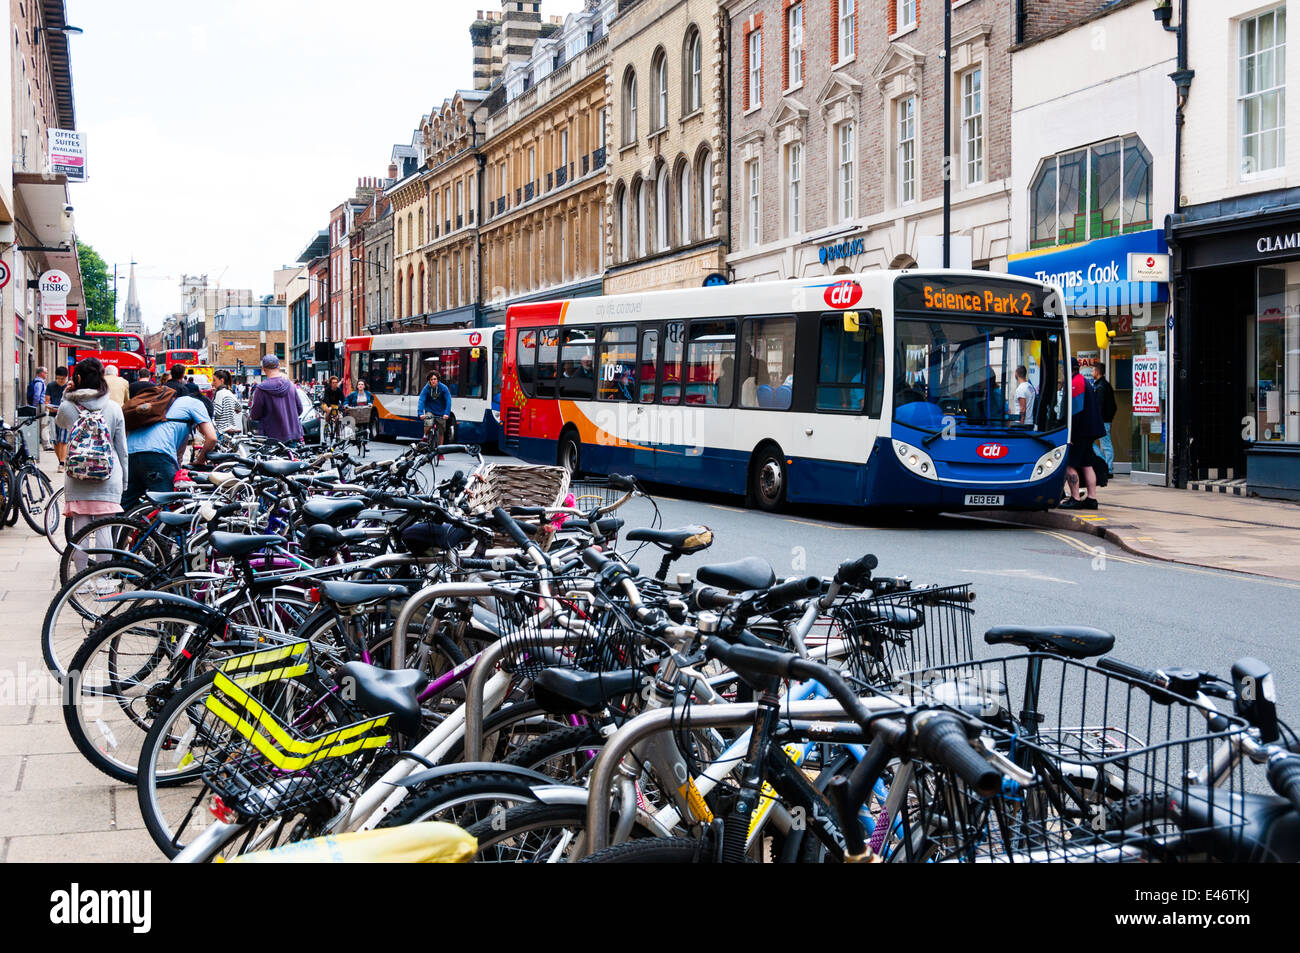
(68, 154)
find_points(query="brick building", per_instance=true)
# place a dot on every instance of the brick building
(242, 335)
(666, 85)
(837, 119)
(378, 252)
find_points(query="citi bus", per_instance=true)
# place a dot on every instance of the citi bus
(122, 350)
(395, 366)
(876, 389)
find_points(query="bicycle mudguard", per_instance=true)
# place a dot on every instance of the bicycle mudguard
(441, 773)
(155, 596)
(122, 554)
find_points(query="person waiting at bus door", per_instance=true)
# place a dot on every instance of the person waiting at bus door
(434, 408)
(118, 389)
(1085, 427)
(1026, 398)
(1106, 401)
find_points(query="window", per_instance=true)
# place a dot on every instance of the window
(704, 176)
(755, 232)
(972, 126)
(648, 368)
(794, 39)
(617, 363)
(1277, 332)
(546, 341)
(767, 363)
(663, 210)
(526, 360)
(906, 14)
(1261, 94)
(659, 74)
(387, 372)
(794, 186)
(848, 29)
(564, 147)
(845, 178)
(683, 203)
(575, 380)
(447, 361)
(279, 350)
(710, 363)
(851, 363)
(755, 69)
(474, 360)
(1096, 192)
(621, 222)
(692, 78)
(670, 388)
(629, 108)
(906, 163)
(532, 165)
(498, 363)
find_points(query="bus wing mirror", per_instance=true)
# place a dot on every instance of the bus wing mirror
(1104, 335)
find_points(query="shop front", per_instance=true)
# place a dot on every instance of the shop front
(1240, 382)
(1122, 280)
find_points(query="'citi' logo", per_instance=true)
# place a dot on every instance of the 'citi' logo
(992, 451)
(843, 294)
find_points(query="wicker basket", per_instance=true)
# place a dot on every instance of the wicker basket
(359, 414)
(516, 484)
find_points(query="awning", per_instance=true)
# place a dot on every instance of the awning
(67, 340)
(1106, 273)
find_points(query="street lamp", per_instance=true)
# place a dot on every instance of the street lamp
(64, 30)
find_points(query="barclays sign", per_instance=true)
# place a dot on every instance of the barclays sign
(845, 249)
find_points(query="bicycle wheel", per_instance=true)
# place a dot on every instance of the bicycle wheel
(76, 609)
(534, 834)
(124, 674)
(129, 535)
(7, 494)
(463, 799)
(34, 495)
(566, 754)
(57, 527)
(654, 850)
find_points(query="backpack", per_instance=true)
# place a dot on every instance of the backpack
(90, 448)
(148, 407)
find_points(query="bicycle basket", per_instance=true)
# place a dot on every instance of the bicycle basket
(591, 492)
(260, 754)
(904, 631)
(1119, 766)
(360, 415)
(511, 484)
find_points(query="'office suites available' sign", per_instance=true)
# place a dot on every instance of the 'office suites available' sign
(68, 154)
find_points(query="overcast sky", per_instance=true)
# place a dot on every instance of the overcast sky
(220, 134)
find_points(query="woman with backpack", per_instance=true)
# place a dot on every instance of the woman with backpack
(96, 460)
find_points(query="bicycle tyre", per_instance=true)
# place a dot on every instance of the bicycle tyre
(58, 526)
(153, 548)
(54, 645)
(567, 822)
(119, 758)
(462, 800)
(31, 502)
(560, 753)
(653, 850)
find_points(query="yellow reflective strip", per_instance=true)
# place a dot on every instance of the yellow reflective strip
(268, 721)
(796, 753)
(274, 675)
(310, 751)
(250, 659)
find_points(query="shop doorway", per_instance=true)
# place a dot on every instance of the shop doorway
(1222, 309)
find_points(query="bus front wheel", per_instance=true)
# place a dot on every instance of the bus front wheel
(569, 452)
(767, 479)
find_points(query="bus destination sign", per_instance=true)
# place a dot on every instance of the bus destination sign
(968, 296)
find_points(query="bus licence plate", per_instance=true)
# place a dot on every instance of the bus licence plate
(985, 499)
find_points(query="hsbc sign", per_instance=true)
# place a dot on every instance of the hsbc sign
(992, 451)
(55, 284)
(843, 294)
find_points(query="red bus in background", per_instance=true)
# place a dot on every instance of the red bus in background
(122, 350)
(169, 358)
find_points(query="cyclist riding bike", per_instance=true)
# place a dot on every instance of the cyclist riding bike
(331, 401)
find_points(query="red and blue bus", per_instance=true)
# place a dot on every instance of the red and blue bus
(120, 349)
(876, 389)
(395, 366)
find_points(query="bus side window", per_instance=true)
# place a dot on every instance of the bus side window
(767, 363)
(498, 362)
(670, 390)
(548, 347)
(474, 360)
(617, 362)
(526, 361)
(576, 380)
(711, 363)
(448, 367)
(844, 367)
(649, 367)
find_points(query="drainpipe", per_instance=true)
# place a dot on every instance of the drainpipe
(480, 162)
(1178, 438)
(726, 92)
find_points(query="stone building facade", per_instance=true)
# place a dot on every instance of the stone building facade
(837, 132)
(666, 86)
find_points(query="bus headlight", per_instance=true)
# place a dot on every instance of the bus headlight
(1048, 462)
(915, 459)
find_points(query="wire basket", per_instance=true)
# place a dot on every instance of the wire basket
(591, 492)
(260, 754)
(904, 631)
(1120, 768)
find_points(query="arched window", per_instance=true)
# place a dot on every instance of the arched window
(636, 232)
(410, 237)
(399, 295)
(685, 227)
(663, 210)
(704, 195)
(397, 239)
(410, 288)
(420, 233)
(621, 222)
(629, 106)
(424, 289)
(1094, 192)
(691, 76)
(659, 89)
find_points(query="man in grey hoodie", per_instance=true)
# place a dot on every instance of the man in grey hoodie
(275, 405)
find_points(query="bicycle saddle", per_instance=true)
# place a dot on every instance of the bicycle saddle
(739, 576)
(359, 593)
(175, 520)
(383, 691)
(567, 691)
(1072, 641)
(166, 497)
(682, 540)
(279, 468)
(239, 545)
(333, 510)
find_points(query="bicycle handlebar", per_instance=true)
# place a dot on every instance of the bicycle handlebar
(1135, 672)
(941, 737)
(1284, 777)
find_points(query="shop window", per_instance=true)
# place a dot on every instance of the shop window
(575, 380)
(710, 373)
(648, 367)
(617, 362)
(767, 363)
(1277, 350)
(1091, 193)
(670, 390)
(850, 364)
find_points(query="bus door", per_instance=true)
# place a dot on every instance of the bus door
(644, 414)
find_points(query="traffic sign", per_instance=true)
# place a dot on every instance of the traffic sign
(4, 274)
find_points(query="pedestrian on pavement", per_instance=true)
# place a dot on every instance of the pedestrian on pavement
(54, 397)
(1085, 427)
(176, 380)
(118, 388)
(228, 415)
(434, 408)
(276, 404)
(98, 432)
(36, 398)
(1026, 399)
(1106, 402)
(154, 451)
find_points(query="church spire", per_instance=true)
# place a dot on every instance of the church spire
(131, 320)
